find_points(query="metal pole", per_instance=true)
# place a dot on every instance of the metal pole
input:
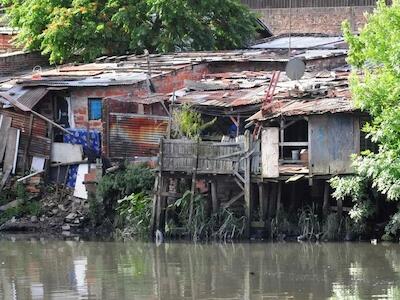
(290, 29)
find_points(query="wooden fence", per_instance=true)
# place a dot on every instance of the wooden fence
(201, 157)
(259, 4)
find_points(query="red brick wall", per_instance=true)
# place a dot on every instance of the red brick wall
(326, 20)
(5, 42)
(162, 84)
(20, 61)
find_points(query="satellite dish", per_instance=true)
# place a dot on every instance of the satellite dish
(295, 69)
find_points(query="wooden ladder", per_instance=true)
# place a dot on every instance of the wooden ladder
(270, 91)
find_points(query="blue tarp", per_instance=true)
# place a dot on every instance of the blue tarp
(91, 143)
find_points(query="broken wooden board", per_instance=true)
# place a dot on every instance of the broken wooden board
(66, 153)
(295, 178)
(4, 126)
(37, 164)
(270, 152)
(80, 188)
(11, 153)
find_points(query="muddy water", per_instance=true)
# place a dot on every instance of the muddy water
(44, 269)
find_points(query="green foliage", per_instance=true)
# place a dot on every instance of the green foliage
(189, 123)
(392, 228)
(375, 88)
(224, 225)
(309, 223)
(131, 179)
(134, 215)
(332, 228)
(87, 29)
(375, 85)
(32, 208)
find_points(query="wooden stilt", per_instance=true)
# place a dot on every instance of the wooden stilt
(193, 187)
(247, 182)
(162, 204)
(339, 208)
(214, 198)
(261, 201)
(279, 198)
(154, 207)
(325, 206)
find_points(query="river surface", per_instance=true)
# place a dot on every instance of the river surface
(48, 269)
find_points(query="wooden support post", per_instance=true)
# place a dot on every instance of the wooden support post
(261, 201)
(214, 198)
(279, 198)
(282, 134)
(28, 143)
(162, 204)
(153, 223)
(325, 206)
(193, 187)
(339, 209)
(247, 183)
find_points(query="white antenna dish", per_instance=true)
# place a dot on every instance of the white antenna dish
(295, 69)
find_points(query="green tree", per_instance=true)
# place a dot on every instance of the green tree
(375, 85)
(67, 29)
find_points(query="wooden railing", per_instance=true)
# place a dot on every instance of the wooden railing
(201, 157)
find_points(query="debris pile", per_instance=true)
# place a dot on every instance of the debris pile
(67, 214)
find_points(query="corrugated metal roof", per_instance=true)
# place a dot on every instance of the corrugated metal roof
(302, 42)
(304, 107)
(229, 90)
(24, 98)
(153, 98)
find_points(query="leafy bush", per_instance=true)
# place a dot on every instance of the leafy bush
(332, 228)
(224, 225)
(131, 179)
(189, 123)
(392, 229)
(309, 223)
(134, 215)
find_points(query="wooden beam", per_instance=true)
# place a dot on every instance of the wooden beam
(233, 200)
(293, 144)
(50, 121)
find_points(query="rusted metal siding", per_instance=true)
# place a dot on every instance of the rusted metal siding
(333, 139)
(137, 135)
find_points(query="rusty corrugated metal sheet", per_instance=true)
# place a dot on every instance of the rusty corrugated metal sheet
(135, 135)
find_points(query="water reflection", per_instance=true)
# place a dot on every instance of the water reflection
(40, 269)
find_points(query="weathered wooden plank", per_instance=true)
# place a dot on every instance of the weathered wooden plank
(10, 157)
(270, 152)
(5, 125)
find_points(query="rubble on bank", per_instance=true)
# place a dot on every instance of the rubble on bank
(66, 214)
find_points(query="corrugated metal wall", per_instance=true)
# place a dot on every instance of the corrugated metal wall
(133, 135)
(333, 139)
(258, 4)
